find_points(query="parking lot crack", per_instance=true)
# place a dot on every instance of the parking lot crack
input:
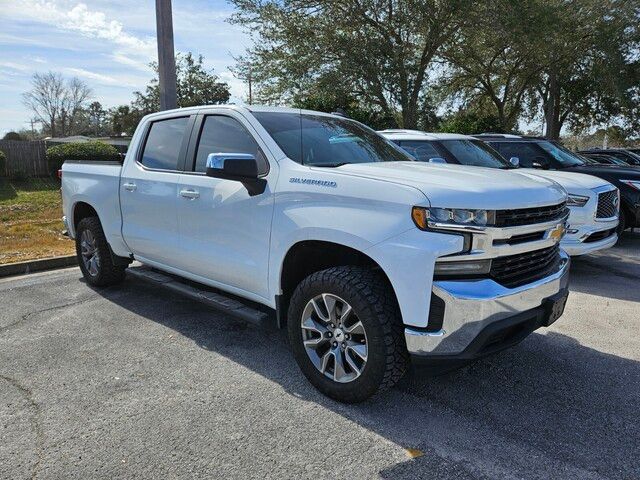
(24, 318)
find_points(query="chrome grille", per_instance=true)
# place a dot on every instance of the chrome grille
(530, 216)
(515, 270)
(607, 204)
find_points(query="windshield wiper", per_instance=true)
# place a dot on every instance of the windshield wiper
(328, 165)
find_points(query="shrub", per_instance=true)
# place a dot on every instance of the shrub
(97, 151)
(13, 136)
(3, 163)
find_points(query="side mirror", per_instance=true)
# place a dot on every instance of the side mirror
(239, 167)
(437, 160)
(540, 162)
(515, 161)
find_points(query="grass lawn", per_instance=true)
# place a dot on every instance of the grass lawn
(30, 220)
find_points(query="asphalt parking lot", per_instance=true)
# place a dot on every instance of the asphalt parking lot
(134, 382)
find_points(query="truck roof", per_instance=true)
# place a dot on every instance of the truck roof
(245, 108)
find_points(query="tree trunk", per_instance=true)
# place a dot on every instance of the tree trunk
(552, 110)
(410, 116)
(52, 125)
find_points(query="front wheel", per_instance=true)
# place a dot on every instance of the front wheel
(622, 223)
(94, 255)
(346, 333)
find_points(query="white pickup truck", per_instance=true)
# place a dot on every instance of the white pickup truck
(369, 258)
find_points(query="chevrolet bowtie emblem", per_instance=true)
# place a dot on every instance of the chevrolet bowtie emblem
(557, 233)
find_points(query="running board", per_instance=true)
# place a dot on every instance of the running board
(199, 292)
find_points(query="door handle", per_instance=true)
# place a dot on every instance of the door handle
(190, 194)
(129, 186)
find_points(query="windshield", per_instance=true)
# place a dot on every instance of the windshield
(475, 153)
(323, 141)
(565, 157)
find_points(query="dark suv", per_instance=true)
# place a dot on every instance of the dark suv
(541, 153)
(626, 156)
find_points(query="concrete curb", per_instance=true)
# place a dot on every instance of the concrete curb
(21, 268)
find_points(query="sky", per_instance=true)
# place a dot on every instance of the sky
(106, 43)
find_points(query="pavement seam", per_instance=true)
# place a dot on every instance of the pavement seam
(26, 316)
(35, 421)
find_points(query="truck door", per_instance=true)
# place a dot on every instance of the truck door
(224, 231)
(149, 190)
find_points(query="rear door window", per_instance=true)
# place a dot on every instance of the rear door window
(164, 142)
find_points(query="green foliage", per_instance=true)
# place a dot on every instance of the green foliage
(124, 119)
(471, 123)
(3, 163)
(195, 86)
(378, 52)
(13, 136)
(98, 151)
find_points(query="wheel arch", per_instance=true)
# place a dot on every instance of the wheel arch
(81, 210)
(308, 256)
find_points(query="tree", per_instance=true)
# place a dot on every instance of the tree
(55, 102)
(470, 122)
(492, 61)
(13, 136)
(590, 63)
(96, 115)
(46, 98)
(195, 86)
(124, 119)
(379, 52)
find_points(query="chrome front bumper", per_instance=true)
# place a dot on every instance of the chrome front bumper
(473, 305)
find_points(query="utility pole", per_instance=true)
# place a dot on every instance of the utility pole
(166, 57)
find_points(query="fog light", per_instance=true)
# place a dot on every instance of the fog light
(470, 267)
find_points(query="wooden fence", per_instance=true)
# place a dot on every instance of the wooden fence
(25, 159)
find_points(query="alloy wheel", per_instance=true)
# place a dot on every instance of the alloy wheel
(89, 252)
(334, 338)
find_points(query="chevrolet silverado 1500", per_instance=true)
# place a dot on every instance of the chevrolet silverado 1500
(369, 258)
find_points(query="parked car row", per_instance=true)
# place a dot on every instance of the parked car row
(593, 202)
(626, 157)
(370, 258)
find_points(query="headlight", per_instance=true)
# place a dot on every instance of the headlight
(428, 217)
(632, 183)
(577, 200)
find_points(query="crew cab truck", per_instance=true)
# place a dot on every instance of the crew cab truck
(593, 202)
(369, 258)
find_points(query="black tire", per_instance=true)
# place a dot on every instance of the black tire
(106, 272)
(622, 223)
(372, 300)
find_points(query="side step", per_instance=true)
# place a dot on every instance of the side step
(199, 292)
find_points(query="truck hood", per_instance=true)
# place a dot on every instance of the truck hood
(459, 186)
(569, 180)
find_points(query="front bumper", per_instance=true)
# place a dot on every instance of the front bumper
(579, 242)
(477, 312)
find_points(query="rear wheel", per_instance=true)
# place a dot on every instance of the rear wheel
(94, 254)
(346, 333)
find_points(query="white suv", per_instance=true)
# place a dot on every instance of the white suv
(587, 230)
